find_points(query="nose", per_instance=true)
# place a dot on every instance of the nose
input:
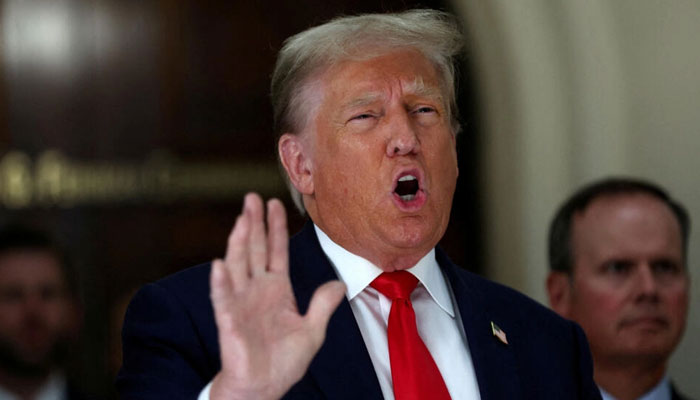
(32, 302)
(403, 137)
(646, 283)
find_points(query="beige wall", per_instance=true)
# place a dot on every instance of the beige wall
(575, 90)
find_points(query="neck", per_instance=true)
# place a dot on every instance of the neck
(385, 256)
(386, 261)
(628, 382)
(24, 387)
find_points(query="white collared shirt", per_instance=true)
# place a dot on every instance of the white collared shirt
(437, 318)
(53, 389)
(662, 391)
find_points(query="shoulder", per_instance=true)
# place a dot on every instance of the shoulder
(189, 283)
(500, 300)
(187, 289)
(75, 393)
(507, 299)
(169, 334)
(525, 315)
(542, 346)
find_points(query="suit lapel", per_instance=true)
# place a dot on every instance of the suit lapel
(342, 368)
(494, 362)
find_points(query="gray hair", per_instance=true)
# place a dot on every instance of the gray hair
(435, 34)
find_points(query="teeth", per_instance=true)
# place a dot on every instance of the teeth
(407, 188)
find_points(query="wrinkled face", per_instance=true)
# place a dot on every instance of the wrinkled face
(34, 310)
(630, 286)
(382, 159)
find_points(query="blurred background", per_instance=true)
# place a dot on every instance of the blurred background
(132, 128)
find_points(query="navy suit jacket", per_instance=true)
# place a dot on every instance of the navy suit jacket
(171, 349)
(675, 395)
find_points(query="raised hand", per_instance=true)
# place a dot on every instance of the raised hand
(266, 345)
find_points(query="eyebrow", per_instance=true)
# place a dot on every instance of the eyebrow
(419, 88)
(415, 88)
(365, 99)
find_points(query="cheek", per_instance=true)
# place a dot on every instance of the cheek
(678, 302)
(445, 155)
(58, 320)
(596, 304)
(10, 315)
(446, 176)
(354, 166)
(340, 185)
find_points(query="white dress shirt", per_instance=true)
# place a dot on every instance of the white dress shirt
(437, 319)
(53, 389)
(662, 391)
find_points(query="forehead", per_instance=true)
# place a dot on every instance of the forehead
(621, 222)
(406, 71)
(29, 267)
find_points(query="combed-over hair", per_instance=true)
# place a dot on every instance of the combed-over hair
(561, 257)
(435, 34)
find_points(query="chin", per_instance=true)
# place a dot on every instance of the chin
(413, 234)
(651, 348)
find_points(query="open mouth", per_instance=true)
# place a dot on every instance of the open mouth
(407, 187)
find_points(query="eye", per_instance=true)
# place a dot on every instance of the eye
(666, 267)
(51, 293)
(617, 267)
(424, 110)
(425, 115)
(11, 295)
(361, 117)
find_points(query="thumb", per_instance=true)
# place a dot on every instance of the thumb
(324, 301)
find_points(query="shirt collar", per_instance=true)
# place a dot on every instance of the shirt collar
(357, 273)
(662, 391)
(53, 388)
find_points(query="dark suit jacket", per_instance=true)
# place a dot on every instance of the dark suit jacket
(675, 395)
(171, 350)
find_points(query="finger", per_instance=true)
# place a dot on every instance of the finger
(324, 301)
(278, 237)
(221, 292)
(236, 260)
(257, 241)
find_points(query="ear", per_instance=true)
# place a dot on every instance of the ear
(559, 291)
(295, 155)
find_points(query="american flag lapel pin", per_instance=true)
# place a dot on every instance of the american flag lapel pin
(497, 332)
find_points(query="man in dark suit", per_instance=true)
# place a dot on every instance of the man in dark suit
(360, 304)
(39, 316)
(617, 253)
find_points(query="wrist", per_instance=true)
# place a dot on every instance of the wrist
(225, 388)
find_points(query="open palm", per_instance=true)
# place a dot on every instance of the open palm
(266, 345)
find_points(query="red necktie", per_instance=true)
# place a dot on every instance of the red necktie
(413, 369)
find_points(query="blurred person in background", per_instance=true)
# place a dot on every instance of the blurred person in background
(39, 316)
(618, 267)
